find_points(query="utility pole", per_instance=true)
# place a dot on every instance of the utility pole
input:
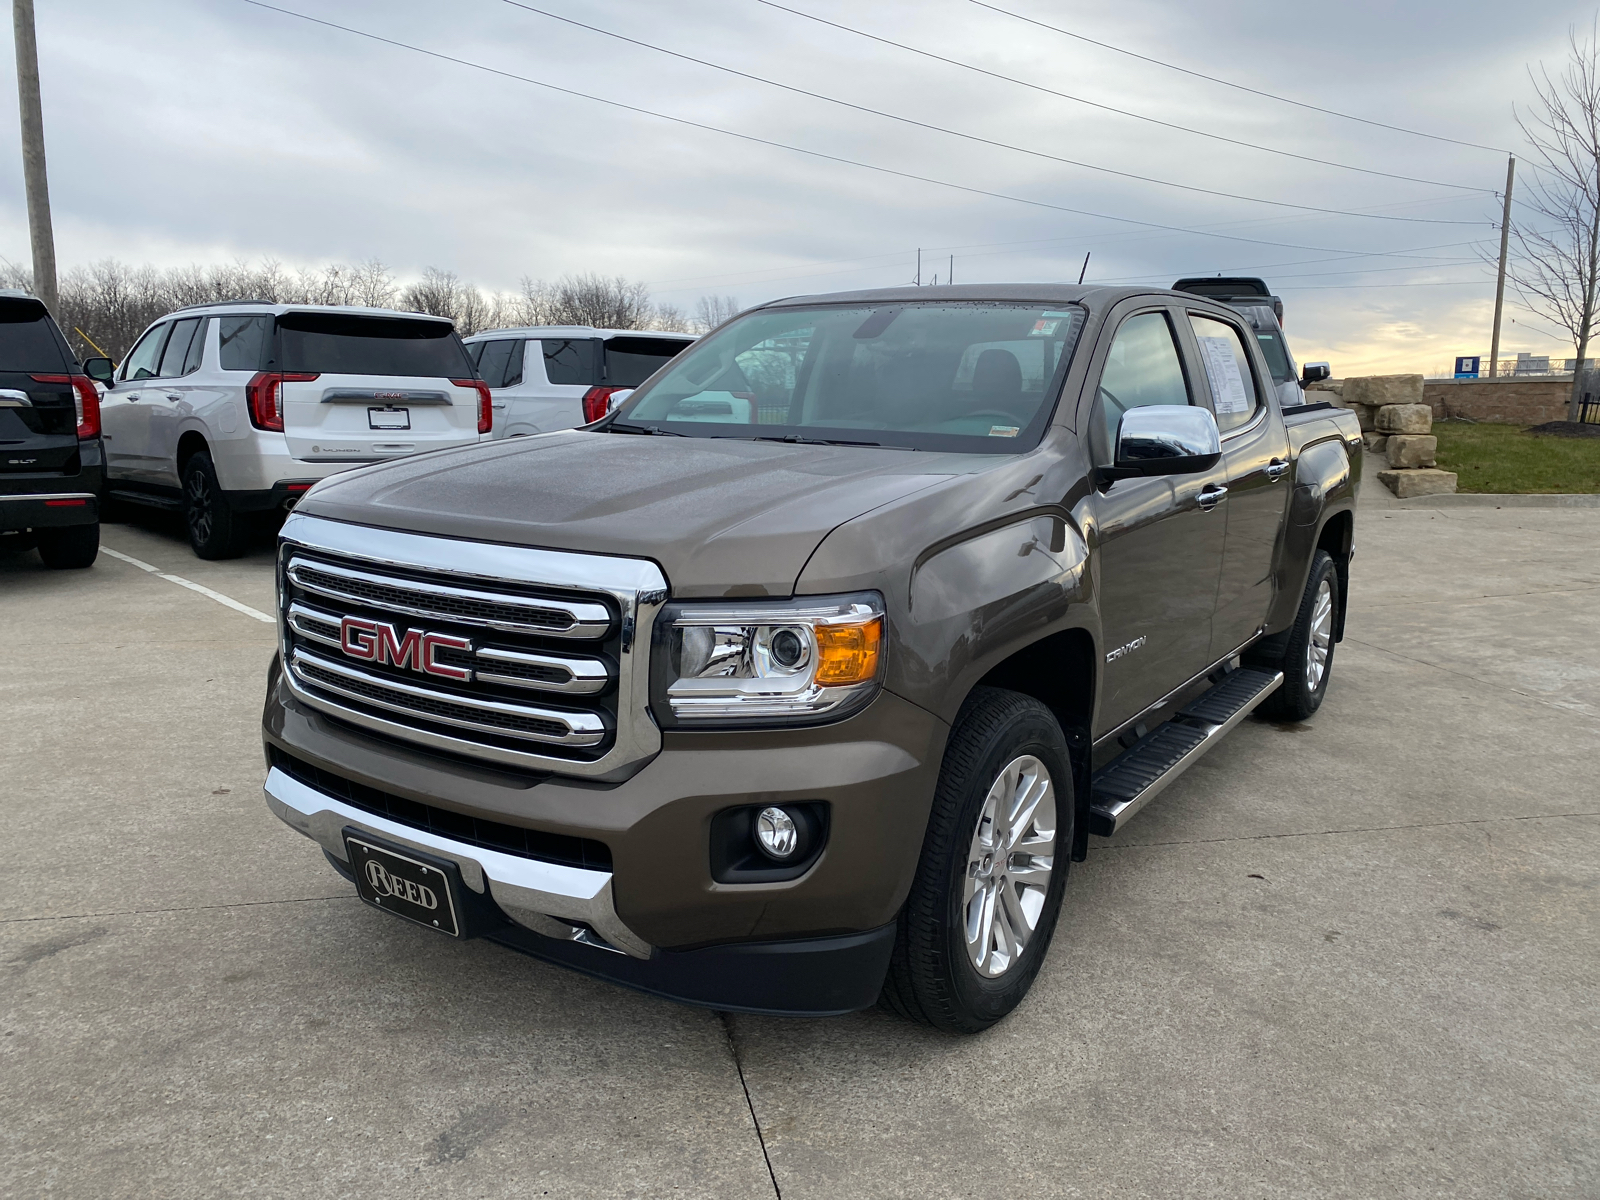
(33, 174)
(1500, 282)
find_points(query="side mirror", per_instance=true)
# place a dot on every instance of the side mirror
(1315, 373)
(99, 369)
(1165, 439)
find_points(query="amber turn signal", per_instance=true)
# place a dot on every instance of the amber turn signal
(848, 653)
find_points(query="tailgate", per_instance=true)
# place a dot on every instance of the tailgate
(357, 417)
(364, 386)
(38, 429)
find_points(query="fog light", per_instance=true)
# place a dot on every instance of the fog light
(776, 833)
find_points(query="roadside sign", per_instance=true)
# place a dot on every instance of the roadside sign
(1467, 366)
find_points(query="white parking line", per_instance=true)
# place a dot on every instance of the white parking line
(229, 601)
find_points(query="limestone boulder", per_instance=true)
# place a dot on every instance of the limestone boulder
(1420, 482)
(1412, 450)
(1366, 415)
(1375, 441)
(1379, 390)
(1403, 418)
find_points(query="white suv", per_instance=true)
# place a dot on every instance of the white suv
(231, 409)
(552, 377)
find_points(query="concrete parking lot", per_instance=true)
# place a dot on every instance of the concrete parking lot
(1356, 957)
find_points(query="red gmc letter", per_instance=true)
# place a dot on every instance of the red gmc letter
(356, 638)
(431, 642)
(406, 652)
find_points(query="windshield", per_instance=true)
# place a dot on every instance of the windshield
(943, 375)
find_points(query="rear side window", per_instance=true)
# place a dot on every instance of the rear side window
(197, 348)
(243, 341)
(500, 363)
(172, 358)
(1227, 364)
(571, 361)
(337, 344)
(28, 342)
(141, 364)
(630, 361)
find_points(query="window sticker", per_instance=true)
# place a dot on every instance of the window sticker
(1222, 369)
(1046, 326)
(1004, 430)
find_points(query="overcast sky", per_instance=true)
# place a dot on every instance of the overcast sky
(205, 130)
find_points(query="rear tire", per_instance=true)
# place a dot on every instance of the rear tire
(983, 905)
(1307, 662)
(69, 549)
(215, 529)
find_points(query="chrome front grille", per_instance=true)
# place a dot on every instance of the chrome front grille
(527, 657)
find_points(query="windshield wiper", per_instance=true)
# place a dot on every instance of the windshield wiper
(619, 427)
(797, 440)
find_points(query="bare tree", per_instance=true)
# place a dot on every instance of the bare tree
(712, 311)
(1556, 263)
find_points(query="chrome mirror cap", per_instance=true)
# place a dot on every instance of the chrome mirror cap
(1167, 439)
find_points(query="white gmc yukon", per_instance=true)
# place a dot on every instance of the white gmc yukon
(235, 409)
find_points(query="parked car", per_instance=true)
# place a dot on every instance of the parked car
(551, 377)
(802, 676)
(50, 450)
(233, 410)
(1264, 311)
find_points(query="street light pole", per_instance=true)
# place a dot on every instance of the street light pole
(33, 173)
(1500, 282)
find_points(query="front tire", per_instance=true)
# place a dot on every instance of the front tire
(71, 548)
(215, 529)
(983, 906)
(1307, 662)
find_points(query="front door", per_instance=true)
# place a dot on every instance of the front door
(1255, 459)
(1160, 539)
(167, 400)
(125, 410)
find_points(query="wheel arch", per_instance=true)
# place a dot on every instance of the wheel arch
(190, 443)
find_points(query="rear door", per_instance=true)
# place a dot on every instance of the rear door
(38, 417)
(362, 388)
(1255, 459)
(125, 410)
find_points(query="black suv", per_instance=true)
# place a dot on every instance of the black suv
(51, 460)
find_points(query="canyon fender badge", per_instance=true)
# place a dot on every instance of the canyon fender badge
(1129, 648)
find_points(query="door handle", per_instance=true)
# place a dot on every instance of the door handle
(1212, 495)
(174, 396)
(1275, 470)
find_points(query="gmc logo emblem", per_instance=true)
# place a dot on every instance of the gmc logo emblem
(380, 642)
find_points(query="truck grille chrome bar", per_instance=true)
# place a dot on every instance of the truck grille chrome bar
(513, 614)
(467, 647)
(464, 712)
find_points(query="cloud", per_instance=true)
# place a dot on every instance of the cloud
(200, 130)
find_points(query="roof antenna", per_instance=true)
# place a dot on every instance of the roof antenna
(1085, 270)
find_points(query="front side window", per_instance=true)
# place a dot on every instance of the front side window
(571, 361)
(339, 344)
(1227, 365)
(243, 341)
(966, 376)
(141, 364)
(1142, 368)
(178, 347)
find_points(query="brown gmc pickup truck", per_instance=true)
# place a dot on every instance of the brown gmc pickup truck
(798, 680)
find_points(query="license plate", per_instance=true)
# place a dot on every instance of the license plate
(402, 885)
(389, 418)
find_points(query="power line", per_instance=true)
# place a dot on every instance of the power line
(966, 66)
(748, 137)
(971, 137)
(1229, 83)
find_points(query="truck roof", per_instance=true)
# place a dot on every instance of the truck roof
(1050, 293)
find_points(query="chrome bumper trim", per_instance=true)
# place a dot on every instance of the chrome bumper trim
(49, 496)
(541, 896)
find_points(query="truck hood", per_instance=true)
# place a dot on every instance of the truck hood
(720, 517)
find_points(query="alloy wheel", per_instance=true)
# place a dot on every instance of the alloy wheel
(199, 498)
(1009, 865)
(1320, 644)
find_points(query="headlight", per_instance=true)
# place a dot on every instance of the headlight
(808, 659)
